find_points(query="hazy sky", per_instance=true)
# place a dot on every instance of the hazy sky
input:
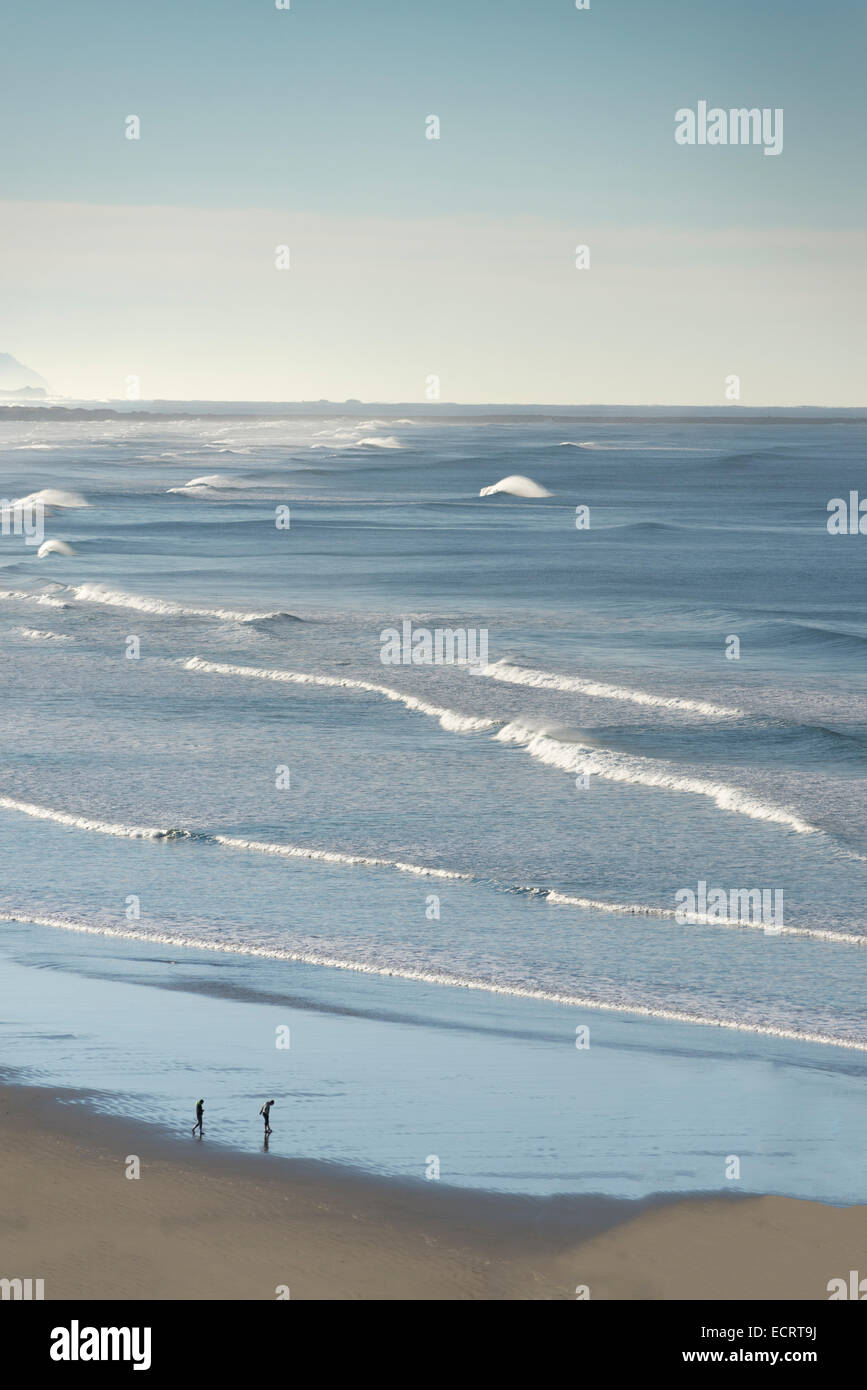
(411, 257)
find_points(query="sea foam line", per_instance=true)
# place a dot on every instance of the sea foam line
(569, 756)
(549, 680)
(330, 856)
(40, 635)
(703, 919)
(139, 832)
(449, 719)
(576, 757)
(113, 598)
(19, 596)
(122, 830)
(430, 977)
(102, 827)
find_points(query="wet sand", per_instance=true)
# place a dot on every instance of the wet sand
(201, 1223)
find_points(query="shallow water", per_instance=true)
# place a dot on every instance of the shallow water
(609, 753)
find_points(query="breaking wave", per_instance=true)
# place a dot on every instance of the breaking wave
(378, 441)
(38, 635)
(576, 757)
(703, 919)
(113, 598)
(550, 680)
(102, 827)
(449, 719)
(18, 596)
(432, 977)
(122, 830)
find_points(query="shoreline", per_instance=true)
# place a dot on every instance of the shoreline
(203, 1223)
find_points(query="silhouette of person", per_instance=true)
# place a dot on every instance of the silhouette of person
(266, 1113)
(200, 1111)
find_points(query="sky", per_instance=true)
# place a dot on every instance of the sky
(152, 261)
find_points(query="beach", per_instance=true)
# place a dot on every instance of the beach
(198, 1224)
(433, 910)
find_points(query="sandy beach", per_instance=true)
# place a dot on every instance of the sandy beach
(203, 1224)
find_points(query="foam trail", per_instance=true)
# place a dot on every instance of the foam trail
(38, 635)
(436, 978)
(703, 919)
(122, 830)
(329, 856)
(375, 441)
(19, 596)
(102, 827)
(615, 767)
(112, 598)
(139, 832)
(449, 719)
(548, 680)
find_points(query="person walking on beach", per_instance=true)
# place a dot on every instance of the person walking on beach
(266, 1112)
(200, 1111)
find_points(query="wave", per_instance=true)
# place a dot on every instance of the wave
(629, 448)
(816, 634)
(122, 830)
(330, 856)
(209, 482)
(433, 977)
(112, 598)
(38, 635)
(19, 596)
(102, 827)
(549, 680)
(574, 757)
(346, 439)
(449, 719)
(377, 441)
(215, 480)
(702, 919)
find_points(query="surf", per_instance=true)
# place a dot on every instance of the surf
(578, 758)
(449, 719)
(437, 977)
(579, 685)
(115, 598)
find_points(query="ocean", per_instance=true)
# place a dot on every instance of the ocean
(458, 887)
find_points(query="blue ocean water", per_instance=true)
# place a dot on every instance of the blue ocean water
(206, 761)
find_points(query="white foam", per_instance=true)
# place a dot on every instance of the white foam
(77, 822)
(55, 547)
(431, 977)
(328, 856)
(376, 441)
(615, 767)
(18, 596)
(631, 448)
(112, 598)
(550, 680)
(121, 830)
(38, 635)
(703, 919)
(52, 497)
(516, 485)
(449, 719)
(207, 483)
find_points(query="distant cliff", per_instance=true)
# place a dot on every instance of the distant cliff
(16, 379)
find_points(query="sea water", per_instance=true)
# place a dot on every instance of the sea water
(223, 813)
